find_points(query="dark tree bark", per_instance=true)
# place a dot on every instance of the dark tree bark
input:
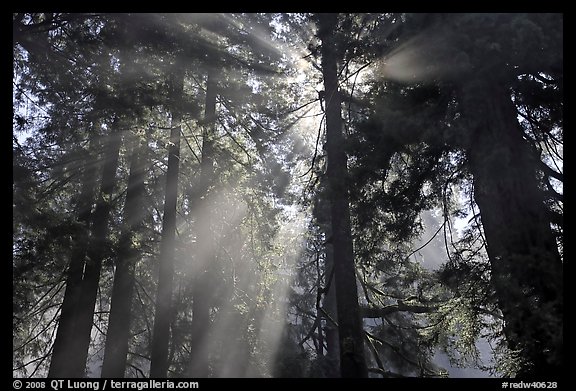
(96, 253)
(352, 360)
(71, 348)
(329, 306)
(525, 262)
(117, 338)
(61, 358)
(163, 308)
(329, 310)
(202, 287)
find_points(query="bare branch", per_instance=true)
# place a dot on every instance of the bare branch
(374, 312)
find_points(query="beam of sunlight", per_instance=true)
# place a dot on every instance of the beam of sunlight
(289, 245)
(426, 57)
(249, 293)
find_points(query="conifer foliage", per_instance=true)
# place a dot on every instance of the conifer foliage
(287, 195)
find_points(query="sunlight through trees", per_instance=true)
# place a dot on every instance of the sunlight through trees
(287, 195)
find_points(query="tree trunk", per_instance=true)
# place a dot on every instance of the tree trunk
(74, 331)
(163, 307)
(61, 358)
(96, 253)
(352, 360)
(206, 256)
(330, 313)
(526, 265)
(329, 306)
(117, 338)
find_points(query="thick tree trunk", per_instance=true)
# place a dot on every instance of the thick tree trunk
(329, 306)
(117, 338)
(352, 360)
(74, 332)
(330, 312)
(206, 256)
(91, 279)
(526, 265)
(163, 307)
(61, 358)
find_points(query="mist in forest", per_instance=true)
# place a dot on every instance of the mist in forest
(287, 195)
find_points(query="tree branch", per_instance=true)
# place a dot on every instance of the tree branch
(550, 172)
(374, 312)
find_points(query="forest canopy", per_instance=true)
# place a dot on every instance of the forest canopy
(287, 195)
